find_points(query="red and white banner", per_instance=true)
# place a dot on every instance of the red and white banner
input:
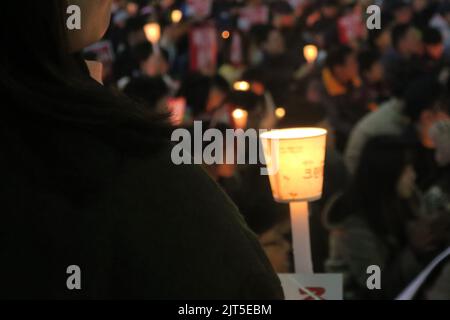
(203, 48)
(351, 27)
(199, 8)
(253, 15)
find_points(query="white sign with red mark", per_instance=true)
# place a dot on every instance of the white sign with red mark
(312, 286)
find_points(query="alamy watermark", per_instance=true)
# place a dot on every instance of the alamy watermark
(373, 21)
(214, 147)
(73, 22)
(374, 17)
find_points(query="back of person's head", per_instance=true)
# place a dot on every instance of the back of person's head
(220, 83)
(422, 94)
(367, 59)
(246, 100)
(42, 75)
(374, 187)
(147, 90)
(144, 50)
(431, 36)
(399, 32)
(338, 56)
(195, 88)
(301, 113)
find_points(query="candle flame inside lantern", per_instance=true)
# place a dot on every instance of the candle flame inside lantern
(310, 52)
(152, 32)
(241, 86)
(176, 16)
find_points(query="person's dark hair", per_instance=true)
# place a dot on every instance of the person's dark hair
(329, 3)
(196, 88)
(367, 59)
(40, 78)
(260, 33)
(246, 100)
(444, 8)
(398, 33)
(396, 5)
(143, 51)
(432, 36)
(136, 24)
(373, 192)
(338, 56)
(219, 82)
(422, 94)
(147, 90)
(301, 113)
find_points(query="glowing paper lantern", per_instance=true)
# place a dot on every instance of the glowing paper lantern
(295, 159)
(310, 52)
(241, 86)
(240, 118)
(176, 16)
(152, 32)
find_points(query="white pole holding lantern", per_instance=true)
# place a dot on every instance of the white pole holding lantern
(295, 160)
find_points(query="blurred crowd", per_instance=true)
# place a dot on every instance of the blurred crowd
(382, 94)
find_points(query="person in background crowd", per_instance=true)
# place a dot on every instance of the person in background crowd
(441, 21)
(378, 221)
(401, 61)
(204, 94)
(342, 92)
(414, 111)
(88, 179)
(423, 12)
(434, 60)
(402, 11)
(278, 63)
(151, 63)
(438, 196)
(372, 75)
(380, 39)
(151, 91)
(438, 201)
(426, 103)
(325, 21)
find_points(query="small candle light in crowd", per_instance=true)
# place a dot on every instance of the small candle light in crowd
(295, 161)
(240, 118)
(280, 112)
(176, 16)
(132, 8)
(241, 86)
(310, 52)
(152, 32)
(225, 34)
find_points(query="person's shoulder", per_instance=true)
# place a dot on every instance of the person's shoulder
(164, 208)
